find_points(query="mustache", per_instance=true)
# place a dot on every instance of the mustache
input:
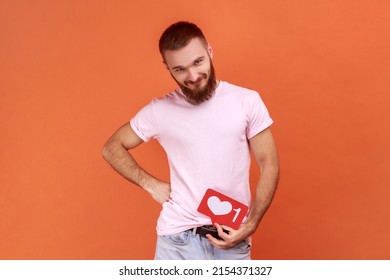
(202, 77)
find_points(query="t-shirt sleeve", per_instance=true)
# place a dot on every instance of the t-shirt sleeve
(144, 123)
(257, 114)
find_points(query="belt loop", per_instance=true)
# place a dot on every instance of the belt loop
(194, 230)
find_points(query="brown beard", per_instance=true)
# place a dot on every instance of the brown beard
(200, 95)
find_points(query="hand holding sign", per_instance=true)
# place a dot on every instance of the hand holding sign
(222, 209)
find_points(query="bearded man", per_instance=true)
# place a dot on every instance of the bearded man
(208, 128)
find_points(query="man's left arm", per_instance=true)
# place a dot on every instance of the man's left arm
(265, 154)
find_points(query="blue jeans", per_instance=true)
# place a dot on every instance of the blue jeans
(190, 246)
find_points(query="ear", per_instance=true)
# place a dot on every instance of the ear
(165, 64)
(210, 50)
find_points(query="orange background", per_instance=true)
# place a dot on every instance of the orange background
(73, 71)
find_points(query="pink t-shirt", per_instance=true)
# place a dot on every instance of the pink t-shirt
(206, 146)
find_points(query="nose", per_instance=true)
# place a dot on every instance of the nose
(192, 75)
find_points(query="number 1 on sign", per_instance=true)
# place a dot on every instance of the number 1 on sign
(238, 210)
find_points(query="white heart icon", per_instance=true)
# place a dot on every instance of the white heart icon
(219, 207)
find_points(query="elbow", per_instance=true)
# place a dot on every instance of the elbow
(271, 164)
(112, 149)
(276, 169)
(107, 151)
(272, 168)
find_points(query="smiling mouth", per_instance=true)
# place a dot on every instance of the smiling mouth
(197, 83)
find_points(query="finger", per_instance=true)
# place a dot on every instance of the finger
(213, 240)
(227, 228)
(216, 242)
(221, 233)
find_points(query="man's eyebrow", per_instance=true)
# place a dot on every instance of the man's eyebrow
(180, 66)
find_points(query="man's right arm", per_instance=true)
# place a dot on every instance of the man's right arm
(116, 153)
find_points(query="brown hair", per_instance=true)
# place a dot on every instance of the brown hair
(178, 35)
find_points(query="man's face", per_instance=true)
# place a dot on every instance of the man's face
(192, 69)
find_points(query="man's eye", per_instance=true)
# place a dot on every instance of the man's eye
(179, 69)
(198, 62)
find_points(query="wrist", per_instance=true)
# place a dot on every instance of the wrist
(149, 184)
(250, 226)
